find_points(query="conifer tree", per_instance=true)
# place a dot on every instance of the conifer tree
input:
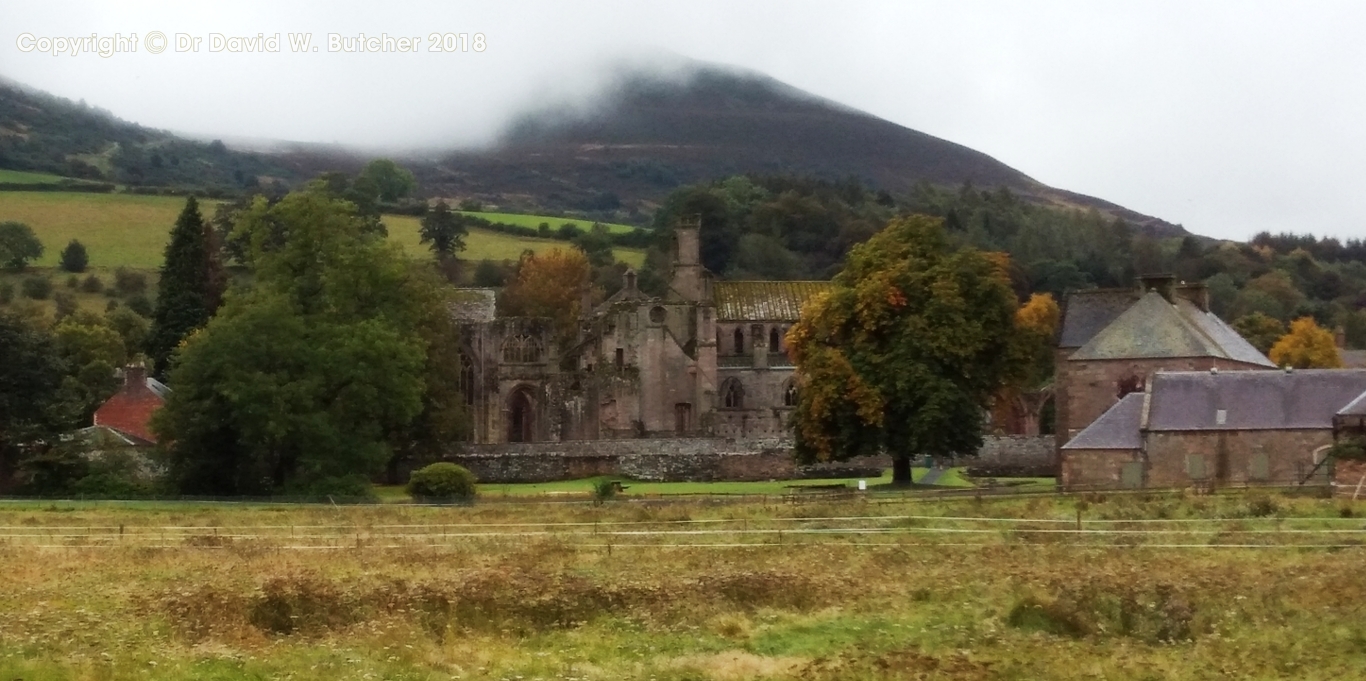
(188, 292)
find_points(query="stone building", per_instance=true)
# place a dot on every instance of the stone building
(1111, 340)
(1211, 428)
(708, 359)
(129, 410)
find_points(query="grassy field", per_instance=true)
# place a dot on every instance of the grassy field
(131, 231)
(534, 221)
(1150, 587)
(24, 177)
(483, 243)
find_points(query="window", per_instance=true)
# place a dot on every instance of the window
(467, 378)
(773, 339)
(521, 349)
(739, 342)
(621, 358)
(732, 394)
(790, 394)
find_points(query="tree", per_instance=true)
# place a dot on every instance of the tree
(1306, 346)
(30, 380)
(904, 353)
(445, 232)
(549, 284)
(1259, 329)
(385, 180)
(188, 291)
(74, 258)
(18, 245)
(342, 382)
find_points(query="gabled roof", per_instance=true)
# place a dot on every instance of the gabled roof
(764, 301)
(1154, 327)
(1117, 428)
(1085, 313)
(1251, 400)
(1356, 407)
(473, 305)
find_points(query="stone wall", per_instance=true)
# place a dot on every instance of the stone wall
(1347, 476)
(1097, 468)
(1179, 458)
(696, 459)
(1014, 455)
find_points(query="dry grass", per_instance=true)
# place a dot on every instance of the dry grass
(218, 603)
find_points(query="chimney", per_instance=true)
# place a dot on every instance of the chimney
(1197, 293)
(1164, 284)
(134, 377)
(689, 244)
(628, 280)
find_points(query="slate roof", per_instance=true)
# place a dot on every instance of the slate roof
(1117, 428)
(764, 301)
(1356, 407)
(1085, 313)
(1251, 400)
(1154, 327)
(473, 305)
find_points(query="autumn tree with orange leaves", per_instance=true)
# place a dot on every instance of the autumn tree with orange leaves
(1307, 346)
(549, 284)
(904, 353)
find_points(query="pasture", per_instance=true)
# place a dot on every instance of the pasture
(534, 221)
(806, 586)
(127, 230)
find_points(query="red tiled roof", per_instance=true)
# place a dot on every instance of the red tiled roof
(130, 409)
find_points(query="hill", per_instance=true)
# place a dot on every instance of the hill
(48, 134)
(649, 134)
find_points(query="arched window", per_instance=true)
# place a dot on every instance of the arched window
(739, 342)
(521, 349)
(732, 394)
(773, 339)
(790, 394)
(467, 378)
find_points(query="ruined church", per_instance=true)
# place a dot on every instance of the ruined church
(707, 359)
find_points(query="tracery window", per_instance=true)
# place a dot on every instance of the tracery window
(732, 394)
(521, 349)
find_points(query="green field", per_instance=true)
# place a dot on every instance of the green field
(1147, 586)
(130, 230)
(534, 221)
(24, 177)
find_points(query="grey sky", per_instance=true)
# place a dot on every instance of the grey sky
(1227, 117)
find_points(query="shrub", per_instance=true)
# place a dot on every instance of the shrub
(442, 482)
(128, 282)
(1349, 449)
(66, 304)
(141, 305)
(73, 282)
(74, 258)
(92, 284)
(37, 288)
(6, 292)
(605, 490)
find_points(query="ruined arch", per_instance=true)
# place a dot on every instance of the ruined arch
(732, 394)
(521, 415)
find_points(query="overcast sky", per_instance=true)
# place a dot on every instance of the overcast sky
(1228, 117)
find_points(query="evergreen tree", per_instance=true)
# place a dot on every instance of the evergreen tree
(188, 293)
(74, 258)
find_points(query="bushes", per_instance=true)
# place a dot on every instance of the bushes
(6, 292)
(127, 282)
(442, 483)
(74, 257)
(37, 288)
(92, 284)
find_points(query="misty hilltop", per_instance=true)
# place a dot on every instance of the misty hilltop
(652, 131)
(649, 132)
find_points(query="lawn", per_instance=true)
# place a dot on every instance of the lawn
(534, 221)
(890, 587)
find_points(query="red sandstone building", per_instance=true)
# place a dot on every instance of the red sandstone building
(130, 409)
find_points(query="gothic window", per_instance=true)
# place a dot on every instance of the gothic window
(732, 394)
(467, 378)
(739, 342)
(790, 394)
(773, 339)
(521, 349)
